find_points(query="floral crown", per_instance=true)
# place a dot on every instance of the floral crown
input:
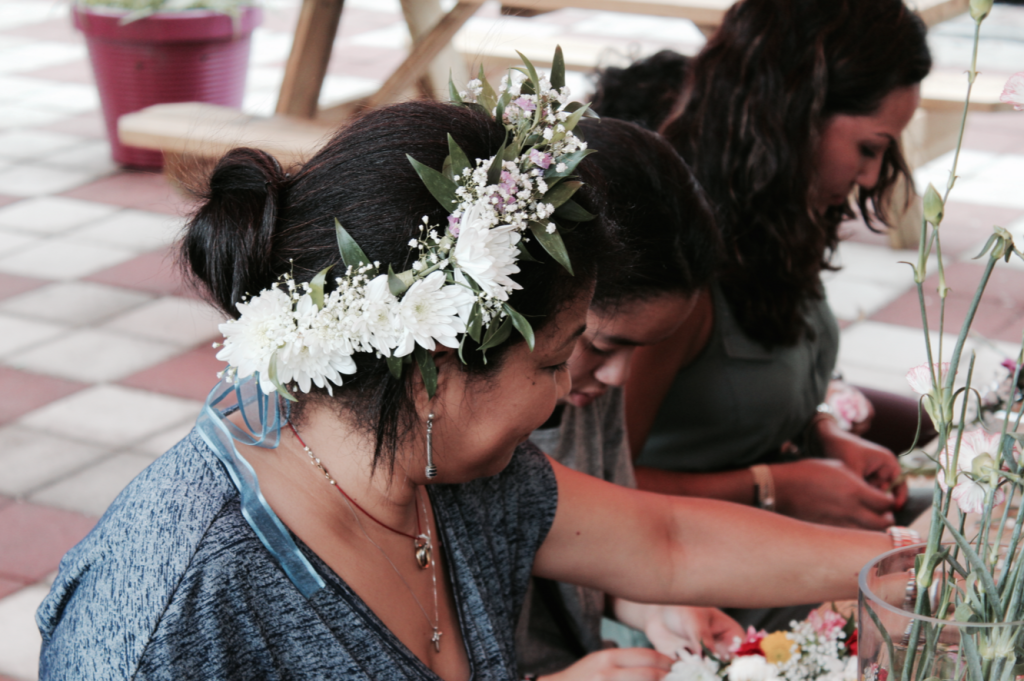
(301, 334)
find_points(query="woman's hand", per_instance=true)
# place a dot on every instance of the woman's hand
(616, 664)
(874, 463)
(673, 627)
(828, 492)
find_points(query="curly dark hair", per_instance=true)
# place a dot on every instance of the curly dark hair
(643, 92)
(257, 223)
(753, 109)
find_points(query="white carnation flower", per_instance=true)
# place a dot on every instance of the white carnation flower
(691, 667)
(265, 324)
(750, 668)
(920, 377)
(488, 254)
(969, 494)
(429, 312)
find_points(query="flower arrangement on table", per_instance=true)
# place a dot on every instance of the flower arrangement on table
(823, 647)
(967, 573)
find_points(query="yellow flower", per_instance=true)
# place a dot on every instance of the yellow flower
(778, 647)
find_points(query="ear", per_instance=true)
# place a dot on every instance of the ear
(449, 378)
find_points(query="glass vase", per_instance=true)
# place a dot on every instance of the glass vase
(896, 644)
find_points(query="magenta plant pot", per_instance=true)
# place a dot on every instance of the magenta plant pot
(187, 56)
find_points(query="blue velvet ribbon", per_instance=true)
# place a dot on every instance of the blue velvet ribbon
(262, 417)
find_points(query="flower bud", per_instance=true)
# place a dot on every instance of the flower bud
(982, 465)
(980, 9)
(933, 208)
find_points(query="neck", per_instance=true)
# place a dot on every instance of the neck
(293, 485)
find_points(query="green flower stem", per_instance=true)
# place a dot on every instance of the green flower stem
(971, 75)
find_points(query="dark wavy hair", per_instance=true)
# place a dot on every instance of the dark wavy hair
(258, 223)
(644, 92)
(657, 211)
(749, 121)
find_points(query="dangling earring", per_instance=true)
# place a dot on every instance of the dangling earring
(431, 468)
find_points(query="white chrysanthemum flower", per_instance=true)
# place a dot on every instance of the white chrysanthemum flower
(265, 324)
(429, 312)
(969, 494)
(1013, 93)
(487, 254)
(311, 355)
(691, 667)
(376, 324)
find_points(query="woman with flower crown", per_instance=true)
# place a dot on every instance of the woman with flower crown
(356, 500)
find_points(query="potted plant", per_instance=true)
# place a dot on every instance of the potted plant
(146, 52)
(957, 611)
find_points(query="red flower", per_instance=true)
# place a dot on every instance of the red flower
(751, 644)
(851, 643)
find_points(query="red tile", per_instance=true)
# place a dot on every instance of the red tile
(7, 587)
(85, 125)
(6, 678)
(1005, 285)
(4, 501)
(24, 391)
(5, 200)
(34, 538)
(190, 375)
(135, 189)
(154, 272)
(59, 30)
(12, 285)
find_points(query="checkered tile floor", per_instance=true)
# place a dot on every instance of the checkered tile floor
(105, 357)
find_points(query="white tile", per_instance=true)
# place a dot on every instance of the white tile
(395, 37)
(91, 490)
(31, 458)
(12, 243)
(112, 415)
(18, 144)
(161, 442)
(382, 6)
(18, 333)
(93, 156)
(270, 47)
(92, 356)
(62, 259)
(19, 637)
(18, 88)
(35, 180)
(136, 229)
(14, 13)
(887, 348)
(18, 115)
(69, 97)
(346, 88)
(936, 171)
(878, 264)
(853, 299)
(181, 321)
(74, 303)
(39, 54)
(996, 184)
(636, 26)
(52, 214)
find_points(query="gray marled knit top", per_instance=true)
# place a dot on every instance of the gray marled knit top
(174, 584)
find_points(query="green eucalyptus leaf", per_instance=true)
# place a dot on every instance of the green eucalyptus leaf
(428, 370)
(494, 170)
(351, 254)
(446, 168)
(570, 160)
(459, 160)
(561, 192)
(453, 92)
(398, 283)
(496, 334)
(531, 71)
(521, 324)
(476, 322)
(525, 254)
(574, 106)
(558, 69)
(488, 98)
(316, 287)
(499, 108)
(440, 187)
(572, 121)
(573, 212)
(395, 366)
(552, 243)
(272, 375)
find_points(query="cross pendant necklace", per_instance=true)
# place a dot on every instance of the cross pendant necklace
(436, 640)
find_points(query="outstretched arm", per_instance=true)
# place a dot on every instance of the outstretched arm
(656, 549)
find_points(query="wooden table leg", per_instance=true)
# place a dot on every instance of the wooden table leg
(307, 63)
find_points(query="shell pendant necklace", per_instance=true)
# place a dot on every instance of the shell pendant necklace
(422, 543)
